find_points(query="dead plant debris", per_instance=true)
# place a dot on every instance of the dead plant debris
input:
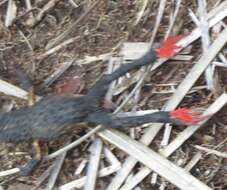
(65, 46)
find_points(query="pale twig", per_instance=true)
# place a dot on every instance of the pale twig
(12, 90)
(219, 64)
(129, 53)
(43, 177)
(29, 8)
(134, 180)
(57, 48)
(56, 74)
(154, 161)
(93, 165)
(74, 144)
(28, 4)
(133, 50)
(2, 2)
(112, 65)
(172, 19)
(194, 18)
(141, 12)
(183, 58)
(90, 59)
(193, 90)
(214, 16)
(195, 159)
(166, 136)
(26, 40)
(112, 159)
(51, 4)
(10, 13)
(81, 167)
(114, 166)
(79, 183)
(73, 3)
(222, 58)
(159, 16)
(55, 171)
(139, 83)
(204, 27)
(9, 172)
(211, 151)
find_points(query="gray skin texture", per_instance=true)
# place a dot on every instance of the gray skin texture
(55, 115)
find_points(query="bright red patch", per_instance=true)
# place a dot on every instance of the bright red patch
(169, 47)
(187, 116)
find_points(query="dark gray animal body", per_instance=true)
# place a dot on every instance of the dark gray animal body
(53, 115)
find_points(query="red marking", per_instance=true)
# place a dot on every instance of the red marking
(169, 47)
(72, 86)
(187, 116)
(106, 104)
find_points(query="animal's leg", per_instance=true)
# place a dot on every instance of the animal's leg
(111, 121)
(35, 161)
(178, 117)
(98, 91)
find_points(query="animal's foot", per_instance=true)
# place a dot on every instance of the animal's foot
(29, 168)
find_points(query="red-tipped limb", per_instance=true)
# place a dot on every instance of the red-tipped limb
(187, 116)
(169, 47)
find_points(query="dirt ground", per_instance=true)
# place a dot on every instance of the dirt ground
(106, 27)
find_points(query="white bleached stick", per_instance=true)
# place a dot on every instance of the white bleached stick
(55, 171)
(205, 39)
(154, 161)
(93, 165)
(195, 159)
(211, 151)
(10, 13)
(114, 166)
(12, 90)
